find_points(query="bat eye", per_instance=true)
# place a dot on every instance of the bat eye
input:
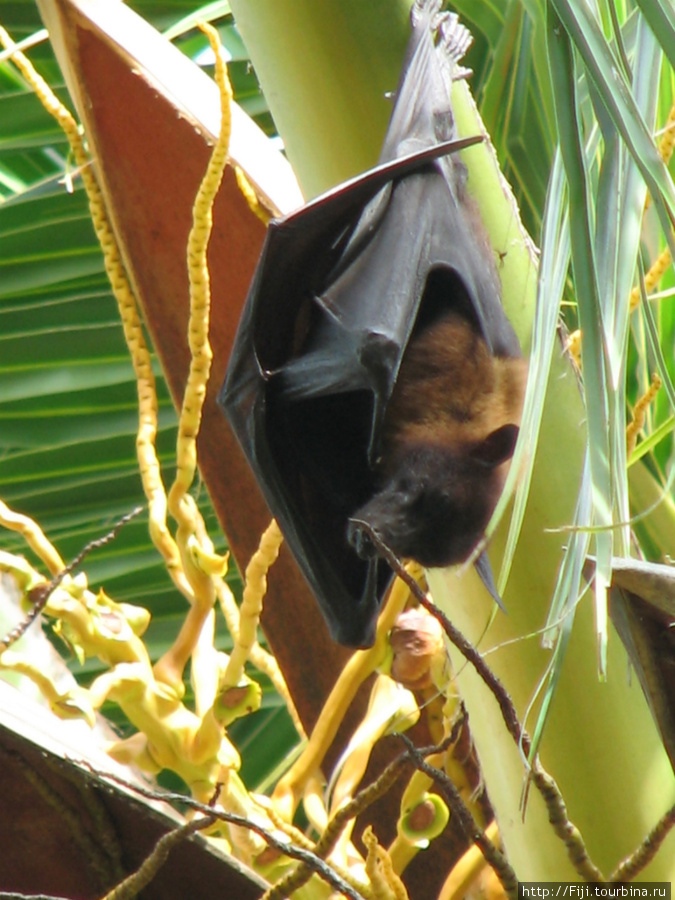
(410, 493)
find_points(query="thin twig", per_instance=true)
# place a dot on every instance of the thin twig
(645, 853)
(302, 873)
(545, 783)
(43, 592)
(134, 883)
(322, 869)
(131, 886)
(465, 819)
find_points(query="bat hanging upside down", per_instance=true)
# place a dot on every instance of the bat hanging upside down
(376, 383)
(450, 429)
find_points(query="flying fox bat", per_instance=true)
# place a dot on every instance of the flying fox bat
(375, 383)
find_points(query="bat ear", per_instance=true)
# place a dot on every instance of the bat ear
(497, 446)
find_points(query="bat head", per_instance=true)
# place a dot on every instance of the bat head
(438, 502)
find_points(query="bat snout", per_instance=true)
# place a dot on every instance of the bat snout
(384, 519)
(434, 508)
(359, 536)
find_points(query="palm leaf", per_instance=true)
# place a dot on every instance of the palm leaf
(68, 405)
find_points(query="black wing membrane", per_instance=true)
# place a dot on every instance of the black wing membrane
(341, 286)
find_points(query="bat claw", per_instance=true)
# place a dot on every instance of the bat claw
(425, 9)
(454, 38)
(461, 73)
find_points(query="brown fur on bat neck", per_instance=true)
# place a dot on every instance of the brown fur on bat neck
(449, 433)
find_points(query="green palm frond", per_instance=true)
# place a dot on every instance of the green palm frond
(68, 404)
